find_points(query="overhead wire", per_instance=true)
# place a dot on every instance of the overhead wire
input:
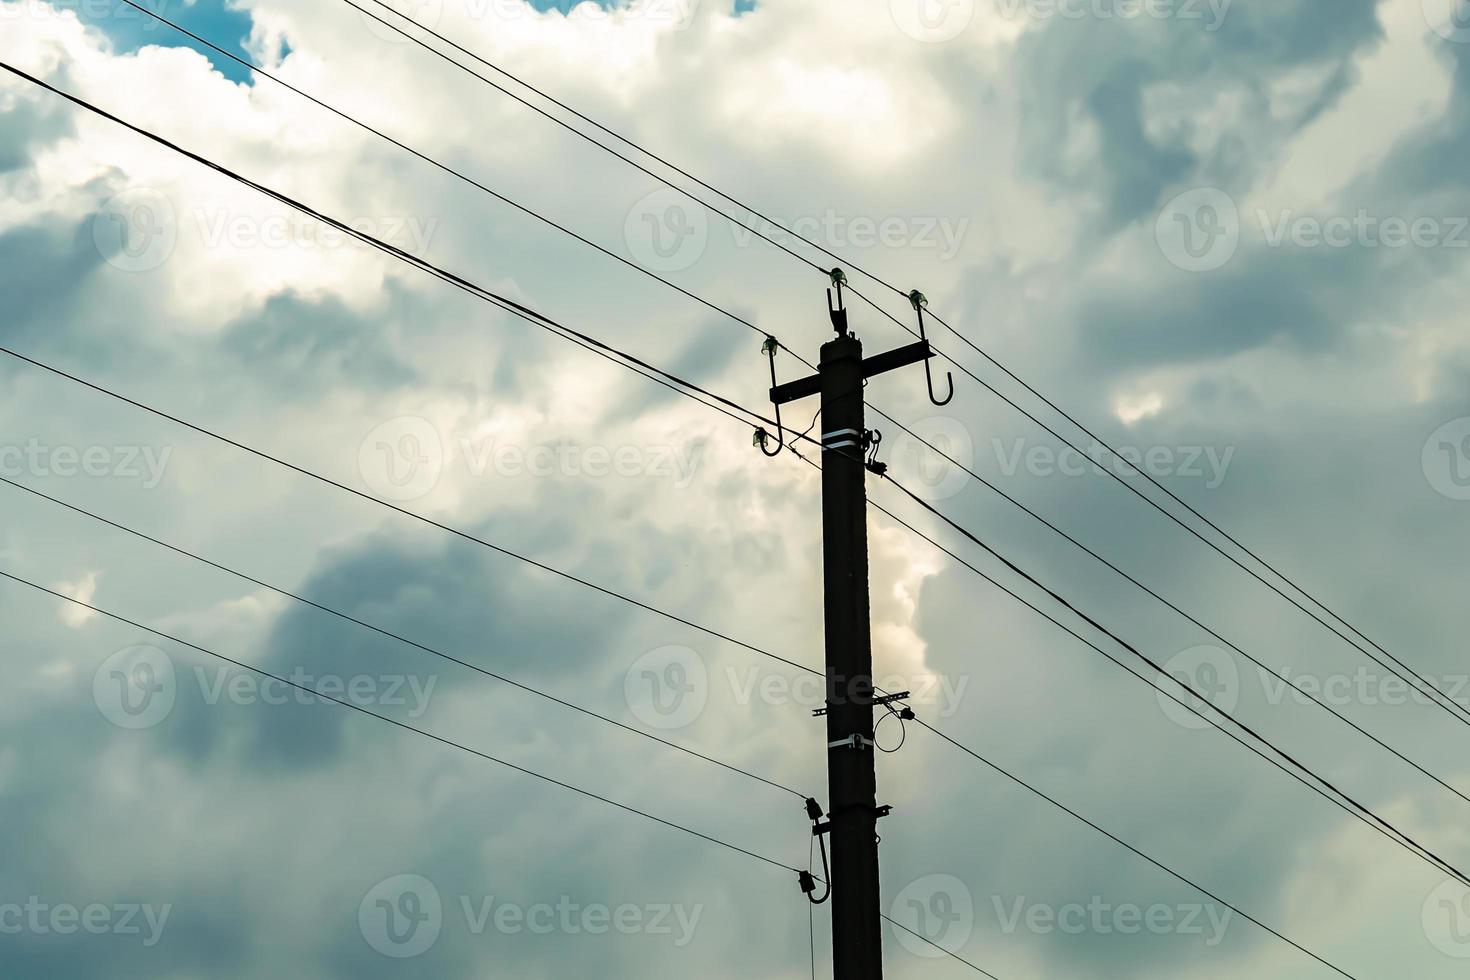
(1135, 851)
(1326, 789)
(752, 326)
(1407, 674)
(512, 308)
(947, 952)
(572, 129)
(1425, 685)
(1308, 696)
(1451, 700)
(452, 171)
(505, 303)
(509, 305)
(1354, 807)
(399, 638)
(393, 721)
(613, 133)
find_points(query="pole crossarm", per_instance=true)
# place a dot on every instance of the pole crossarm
(872, 367)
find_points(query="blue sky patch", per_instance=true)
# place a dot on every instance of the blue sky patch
(131, 29)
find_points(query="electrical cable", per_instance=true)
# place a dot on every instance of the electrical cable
(1363, 813)
(394, 636)
(448, 529)
(1228, 537)
(448, 169)
(505, 303)
(1309, 696)
(537, 316)
(572, 129)
(393, 721)
(950, 954)
(1122, 843)
(1448, 704)
(1351, 807)
(517, 309)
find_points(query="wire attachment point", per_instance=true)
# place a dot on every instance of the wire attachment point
(762, 437)
(872, 439)
(920, 302)
(808, 882)
(838, 311)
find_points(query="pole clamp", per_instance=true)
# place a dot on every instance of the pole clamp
(853, 741)
(825, 826)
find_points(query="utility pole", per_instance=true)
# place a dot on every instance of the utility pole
(851, 826)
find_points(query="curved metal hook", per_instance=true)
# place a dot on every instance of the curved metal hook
(919, 301)
(769, 348)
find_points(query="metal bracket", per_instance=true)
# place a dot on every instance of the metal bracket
(878, 702)
(879, 812)
(852, 742)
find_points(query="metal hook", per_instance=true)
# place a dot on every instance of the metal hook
(918, 300)
(762, 437)
(839, 311)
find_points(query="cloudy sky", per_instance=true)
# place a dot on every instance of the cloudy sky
(1228, 236)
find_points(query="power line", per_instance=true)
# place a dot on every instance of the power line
(397, 637)
(1161, 598)
(1364, 813)
(1118, 840)
(404, 725)
(464, 535)
(503, 302)
(1228, 537)
(626, 141)
(509, 305)
(562, 123)
(950, 953)
(459, 174)
(471, 181)
(1449, 704)
(1366, 816)
(622, 139)
(449, 529)
(582, 337)
(623, 358)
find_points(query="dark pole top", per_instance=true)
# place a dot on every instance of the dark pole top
(842, 349)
